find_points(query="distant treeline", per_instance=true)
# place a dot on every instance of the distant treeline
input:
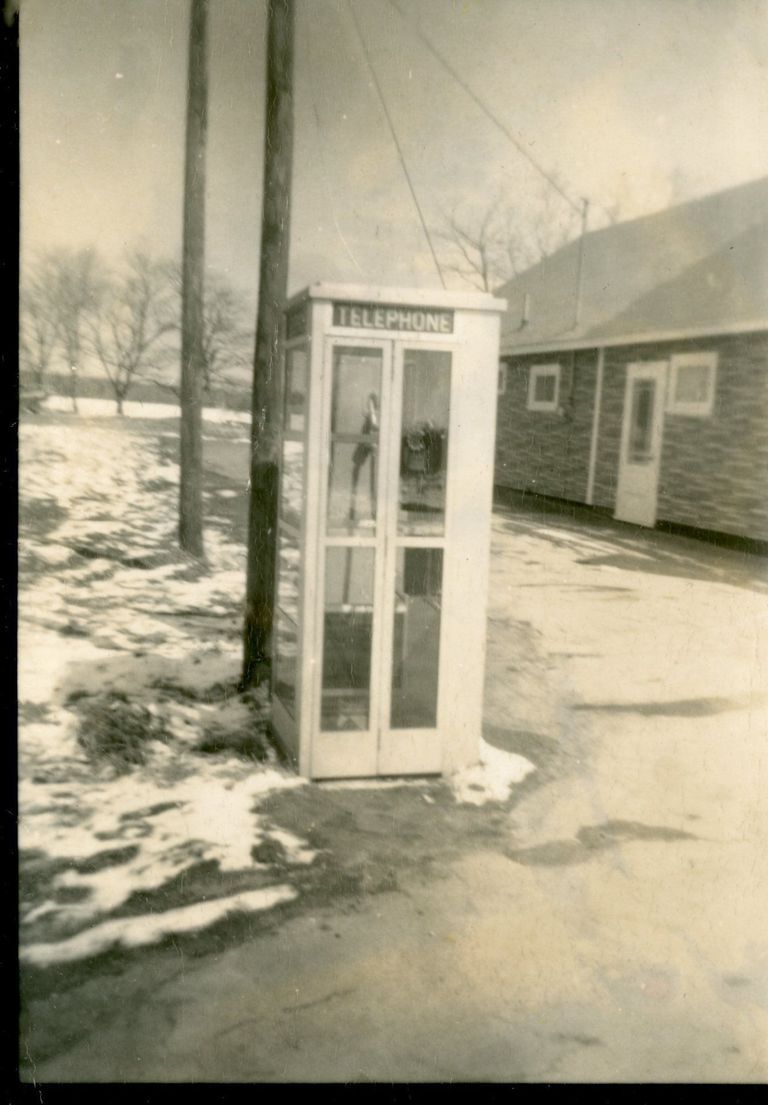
(142, 391)
(77, 310)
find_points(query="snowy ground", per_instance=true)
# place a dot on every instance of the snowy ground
(105, 408)
(110, 621)
(601, 921)
(127, 644)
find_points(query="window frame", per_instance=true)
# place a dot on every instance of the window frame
(535, 373)
(696, 408)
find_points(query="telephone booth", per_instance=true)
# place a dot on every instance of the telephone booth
(386, 488)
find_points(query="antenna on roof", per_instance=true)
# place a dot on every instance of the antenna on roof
(580, 263)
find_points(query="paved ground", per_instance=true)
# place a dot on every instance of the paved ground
(611, 926)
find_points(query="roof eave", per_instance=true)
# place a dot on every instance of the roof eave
(603, 341)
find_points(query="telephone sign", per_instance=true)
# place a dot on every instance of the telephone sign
(382, 316)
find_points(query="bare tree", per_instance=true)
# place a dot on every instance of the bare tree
(137, 311)
(227, 336)
(553, 223)
(40, 319)
(477, 248)
(487, 250)
(78, 284)
(227, 340)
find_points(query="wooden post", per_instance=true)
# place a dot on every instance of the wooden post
(193, 264)
(266, 410)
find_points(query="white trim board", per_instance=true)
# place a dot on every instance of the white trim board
(594, 442)
(566, 344)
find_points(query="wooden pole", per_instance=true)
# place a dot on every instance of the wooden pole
(192, 283)
(266, 411)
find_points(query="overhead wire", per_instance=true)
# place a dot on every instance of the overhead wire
(486, 110)
(396, 141)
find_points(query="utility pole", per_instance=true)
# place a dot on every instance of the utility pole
(266, 410)
(193, 265)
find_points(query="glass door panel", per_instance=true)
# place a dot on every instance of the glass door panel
(424, 441)
(354, 447)
(347, 638)
(416, 638)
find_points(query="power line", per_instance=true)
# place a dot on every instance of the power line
(486, 110)
(397, 143)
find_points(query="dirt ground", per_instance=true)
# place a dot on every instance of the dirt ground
(605, 922)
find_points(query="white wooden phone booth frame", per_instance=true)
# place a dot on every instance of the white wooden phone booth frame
(386, 484)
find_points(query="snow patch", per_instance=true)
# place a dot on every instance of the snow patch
(54, 554)
(492, 778)
(370, 784)
(148, 928)
(44, 657)
(292, 846)
(107, 408)
(172, 825)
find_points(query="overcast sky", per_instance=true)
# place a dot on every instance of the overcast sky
(631, 101)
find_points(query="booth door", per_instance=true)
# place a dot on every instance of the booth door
(386, 429)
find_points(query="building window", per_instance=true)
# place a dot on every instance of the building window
(692, 384)
(543, 387)
(501, 386)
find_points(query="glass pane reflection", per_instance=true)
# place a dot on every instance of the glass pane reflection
(692, 383)
(286, 660)
(424, 441)
(286, 620)
(347, 634)
(292, 482)
(354, 440)
(641, 421)
(288, 574)
(416, 652)
(295, 389)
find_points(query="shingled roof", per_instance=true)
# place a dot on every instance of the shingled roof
(699, 266)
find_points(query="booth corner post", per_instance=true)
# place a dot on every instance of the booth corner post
(266, 396)
(192, 284)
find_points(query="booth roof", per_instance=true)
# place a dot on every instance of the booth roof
(412, 297)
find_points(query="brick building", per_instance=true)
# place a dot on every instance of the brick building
(634, 369)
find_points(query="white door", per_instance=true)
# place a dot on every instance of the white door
(641, 438)
(387, 407)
